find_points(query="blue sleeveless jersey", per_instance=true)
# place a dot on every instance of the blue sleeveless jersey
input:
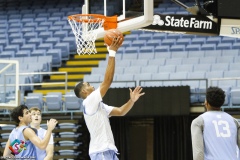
(19, 146)
(220, 136)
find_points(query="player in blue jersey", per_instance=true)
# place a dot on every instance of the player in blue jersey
(215, 134)
(43, 154)
(23, 139)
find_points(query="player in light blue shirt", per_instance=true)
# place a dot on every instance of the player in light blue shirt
(23, 139)
(43, 154)
(215, 134)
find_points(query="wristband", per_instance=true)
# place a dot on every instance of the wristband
(112, 53)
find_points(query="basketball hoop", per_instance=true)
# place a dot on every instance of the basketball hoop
(85, 28)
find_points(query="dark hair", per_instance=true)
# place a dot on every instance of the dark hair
(77, 89)
(18, 111)
(215, 96)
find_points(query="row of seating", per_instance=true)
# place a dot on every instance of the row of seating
(171, 47)
(54, 101)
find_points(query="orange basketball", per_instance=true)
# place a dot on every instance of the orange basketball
(110, 34)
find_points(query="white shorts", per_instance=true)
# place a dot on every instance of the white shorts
(106, 155)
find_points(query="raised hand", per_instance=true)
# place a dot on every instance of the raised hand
(52, 123)
(136, 93)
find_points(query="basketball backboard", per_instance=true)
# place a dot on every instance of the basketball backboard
(9, 86)
(128, 18)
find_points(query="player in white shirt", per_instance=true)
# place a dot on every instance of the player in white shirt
(96, 113)
(215, 134)
(36, 121)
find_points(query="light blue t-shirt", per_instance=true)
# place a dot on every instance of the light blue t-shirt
(41, 153)
(220, 136)
(19, 146)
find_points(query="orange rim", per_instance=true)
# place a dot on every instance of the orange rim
(95, 19)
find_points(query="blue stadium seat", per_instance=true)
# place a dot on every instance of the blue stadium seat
(29, 35)
(32, 24)
(10, 47)
(235, 96)
(168, 42)
(232, 52)
(228, 40)
(207, 60)
(220, 67)
(40, 19)
(177, 48)
(183, 41)
(18, 41)
(14, 36)
(39, 52)
(27, 20)
(198, 40)
(160, 62)
(52, 40)
(193, 47)
(64, 48)
(213, 53)
(45, 46)
(202, 67)
(129, 56)
(29, 47)
(225, 46)
(167, 68)
(60, 34)
(146, 49)
(225, 59)
(180, 54)
(231, 73)
(159, 55)
(145, 55)
(184, 68)
(234, 66)
(159, 36)
(213, 40)
(139, 62)
(34, 100)
(236, 45)
(56, 57)
(138, 43)
(43, 15)
(27, 29)
(3, 42)
(36, 41)
(132, 50)
(150, 69)
(145, 36)
(22, 53)
(5, 54)
(165, 48)
(190, 60)
(130, 37)
(153, 42)
(45, 34)
(72, 43)
(72, 102)
(174, 61)
(208, 46)
(54, 101)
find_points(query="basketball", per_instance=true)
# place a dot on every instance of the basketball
(110, 34)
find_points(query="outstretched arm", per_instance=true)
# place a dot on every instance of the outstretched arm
(7, 151)
(29, 134)
(124, 109)
(197, 138)
(108, 78)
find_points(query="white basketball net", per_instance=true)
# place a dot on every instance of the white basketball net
(84, 28)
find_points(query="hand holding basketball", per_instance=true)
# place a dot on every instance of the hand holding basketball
(112, 35)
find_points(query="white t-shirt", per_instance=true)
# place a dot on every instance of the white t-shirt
(41, 153)
(96, 115)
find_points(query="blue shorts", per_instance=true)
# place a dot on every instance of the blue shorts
(106, 155)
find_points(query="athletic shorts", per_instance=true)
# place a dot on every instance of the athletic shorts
(107, 155)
